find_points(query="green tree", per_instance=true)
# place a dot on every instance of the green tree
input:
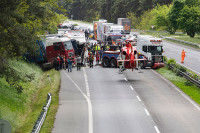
(147, 19)
(21, 23)
(174, 14)
(146, 5)
(162, 2)
(189, 20)
(105, 9)
(122, 7)
(135, 21)
(162, 19)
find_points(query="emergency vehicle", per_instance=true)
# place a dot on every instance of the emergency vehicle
(151, 49)
(109, 57)
(48, 49)
(59, 45)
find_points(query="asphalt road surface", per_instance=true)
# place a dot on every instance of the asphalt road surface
(192, 60)
(99, 100)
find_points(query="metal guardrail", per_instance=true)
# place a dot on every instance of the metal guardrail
(170, 38)
(42, 116)
(187, 76)
(154, 31)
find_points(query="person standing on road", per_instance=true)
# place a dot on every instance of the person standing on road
(91, 59)
(85, 60)
(61, 62)
(64, 64)
(101, 53)
(69, 62)
(58, 63)
(97, 57)
(78, 60)
(182, 56)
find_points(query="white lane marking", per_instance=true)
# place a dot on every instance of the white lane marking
(180, 91)
(90, 116)
(131, 87)
(86, 83)
(138, 98)
(125, 79)
(156, 128)
(147, 112)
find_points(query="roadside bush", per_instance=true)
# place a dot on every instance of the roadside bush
(188, 83)
(182, 68)
(165, 58)
(75, 24)
(171, 63)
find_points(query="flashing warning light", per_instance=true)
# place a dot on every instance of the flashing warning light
(155, 40)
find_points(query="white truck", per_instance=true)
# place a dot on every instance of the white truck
(77, 35)
(106, 29)
(102, 29)
(95, 27)
(151, 49)
(115, 29)
(126, 23)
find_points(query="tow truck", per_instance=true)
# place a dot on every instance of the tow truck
(151, 49)
(109, 57)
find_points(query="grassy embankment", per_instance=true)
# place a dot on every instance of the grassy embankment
(22, 110)
(190, 89)
(180, 36)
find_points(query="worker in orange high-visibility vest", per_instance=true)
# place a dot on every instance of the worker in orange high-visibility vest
(182, 56)
(113, 43)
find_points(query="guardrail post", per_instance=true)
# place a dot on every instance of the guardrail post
(49, 78)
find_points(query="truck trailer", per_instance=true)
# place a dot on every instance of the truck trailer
(126, 23)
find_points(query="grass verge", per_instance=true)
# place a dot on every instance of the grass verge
(39, 100)
(21, 110)
(186, 86)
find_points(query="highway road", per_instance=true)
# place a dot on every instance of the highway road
(192, 60)
(99, 100)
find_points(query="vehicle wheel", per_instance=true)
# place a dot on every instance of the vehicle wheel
(113, 63)
(142, 65)
(105, 62)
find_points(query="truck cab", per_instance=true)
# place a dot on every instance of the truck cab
(59, 45)
(112, 38)
(151, 49)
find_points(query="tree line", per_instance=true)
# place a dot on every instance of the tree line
(88, 10)
(181, 15)
(169, 15)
